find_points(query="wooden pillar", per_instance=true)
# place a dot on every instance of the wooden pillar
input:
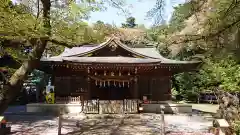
(88, 88)
(169, 88)
(52, 78)
(151, 89)
(135, 88)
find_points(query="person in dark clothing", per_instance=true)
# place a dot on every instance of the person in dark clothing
(44, 96)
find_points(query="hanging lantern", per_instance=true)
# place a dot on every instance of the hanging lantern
(104, 84)
(120, 74)
(135, 70)
(67, 66)
(128, 84)
(129, 73)
(114, 83)
(95, 73)
(100, 84)
(112, 73)
(105, 73)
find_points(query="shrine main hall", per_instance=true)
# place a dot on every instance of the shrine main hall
(113, 71)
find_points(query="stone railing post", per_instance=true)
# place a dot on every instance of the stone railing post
(162, 107)
(220, 127)
(60, 121)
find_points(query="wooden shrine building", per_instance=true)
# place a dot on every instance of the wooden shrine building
(113, 71)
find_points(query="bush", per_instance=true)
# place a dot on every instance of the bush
(237, 127)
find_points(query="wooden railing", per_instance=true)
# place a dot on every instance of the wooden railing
(69, 100)
(111, 106)
(102, 106)
(91, 106)
(131, 105)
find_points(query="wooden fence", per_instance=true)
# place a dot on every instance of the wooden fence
(69, 100)
(102, 106)
(91, 106)
(112, 106)
(131, 105)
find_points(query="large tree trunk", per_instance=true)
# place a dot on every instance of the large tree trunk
(13, 87)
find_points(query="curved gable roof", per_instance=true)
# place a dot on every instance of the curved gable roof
(85, 50)
(149, 53)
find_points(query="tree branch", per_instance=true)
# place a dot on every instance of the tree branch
(118, 5)
(65, 44)
(16, 43)
(38, 12)
(204, 37)
(232, 6)
(157, 11)
(196, 9)
(38, 8)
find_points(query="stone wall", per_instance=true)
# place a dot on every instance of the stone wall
(228, 108)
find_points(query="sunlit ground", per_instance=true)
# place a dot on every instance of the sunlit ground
(146, 124)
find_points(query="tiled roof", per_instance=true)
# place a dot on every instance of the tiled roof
(77, 54)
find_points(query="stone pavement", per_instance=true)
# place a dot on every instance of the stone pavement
(144, 124)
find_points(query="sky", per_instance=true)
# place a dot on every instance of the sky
(137, 10)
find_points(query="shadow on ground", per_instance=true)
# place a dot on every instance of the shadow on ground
(115, 127)
(29, 124)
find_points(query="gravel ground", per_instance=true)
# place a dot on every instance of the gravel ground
(144, 124)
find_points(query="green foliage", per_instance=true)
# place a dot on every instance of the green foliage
(15, 25)
(130, 23)
(221, 14)
(215, 72)
(158, 11)
(237, 127)
(180, 14)
(225, 71)
(186, 88)
(101, 30)
(67, 25)
(158, 33)
(220, 66)
(18, 23)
